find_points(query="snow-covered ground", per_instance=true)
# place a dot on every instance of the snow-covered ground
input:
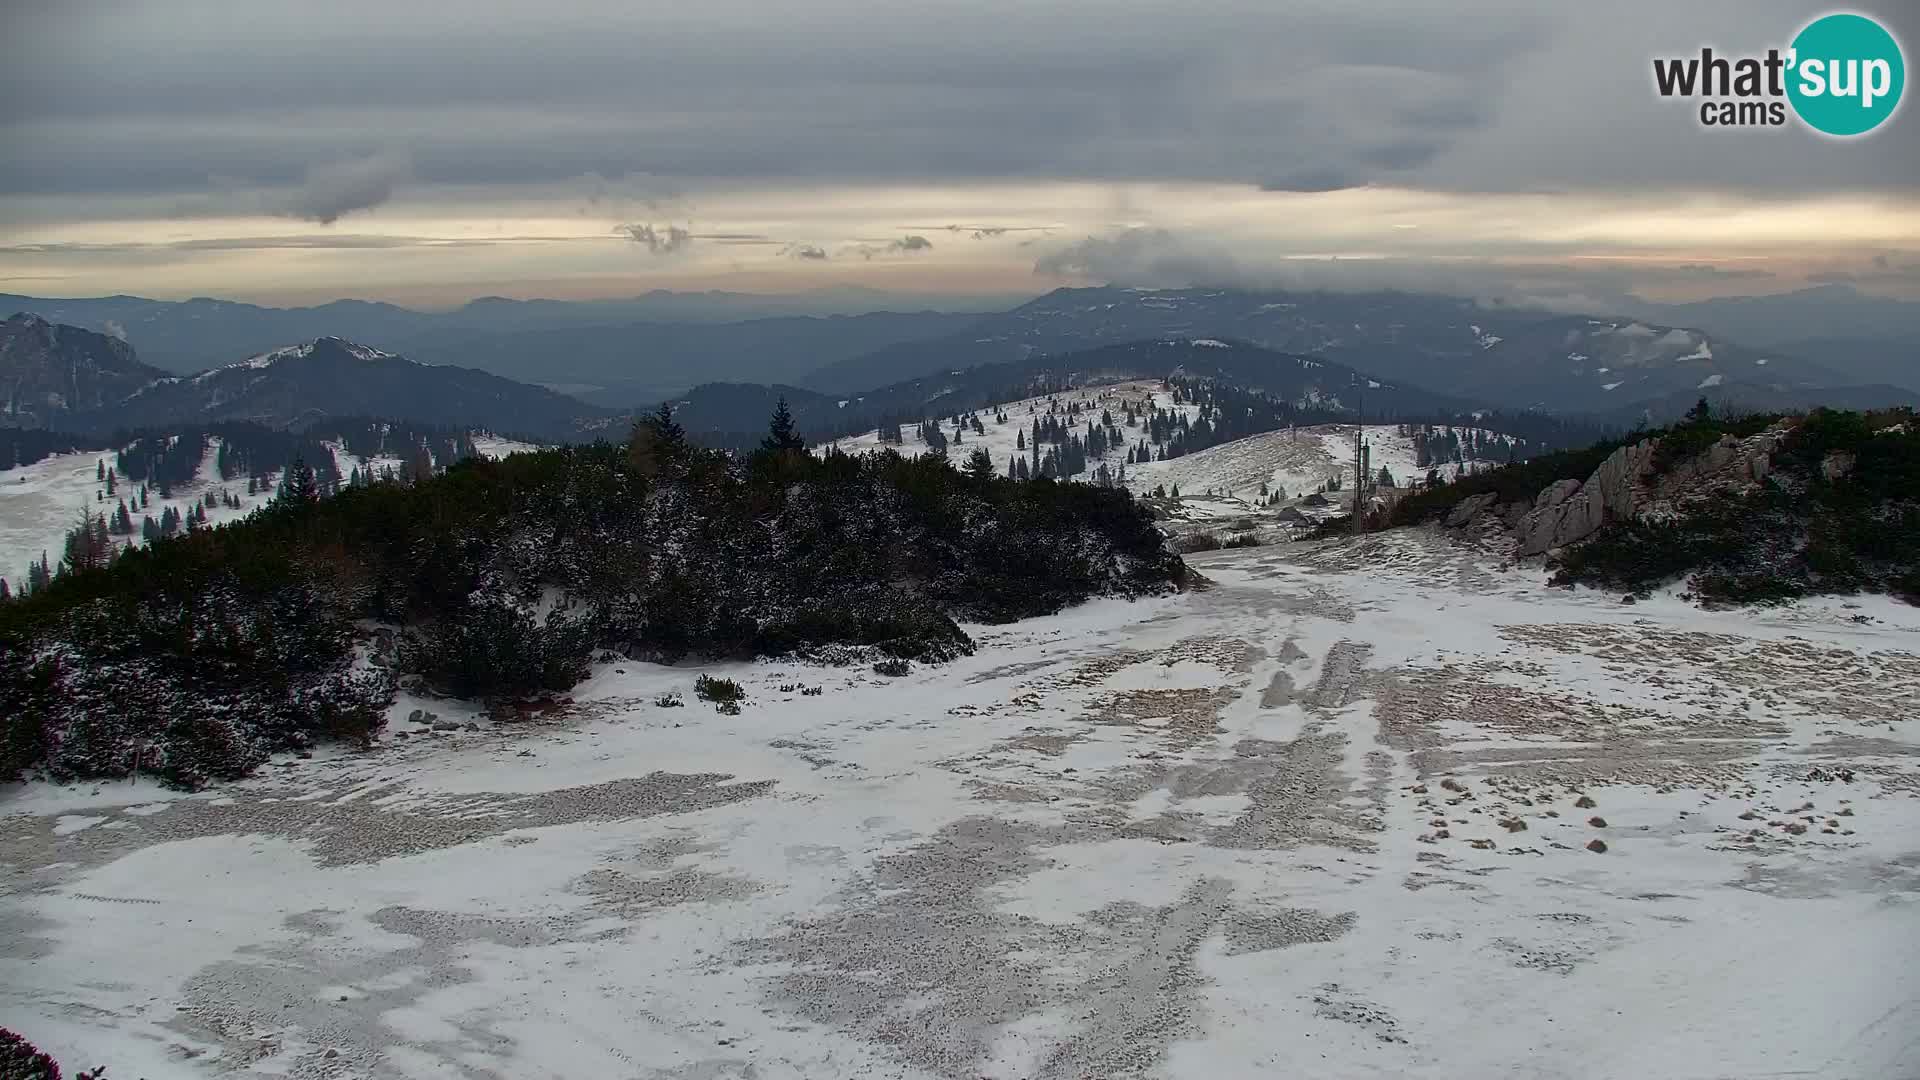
(1327, 818)
(1219, 482)
(40, 502)
(1002, 441)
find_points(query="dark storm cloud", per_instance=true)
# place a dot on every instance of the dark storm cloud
(1492, 95)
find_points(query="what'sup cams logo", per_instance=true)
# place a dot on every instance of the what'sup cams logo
(1842, 75)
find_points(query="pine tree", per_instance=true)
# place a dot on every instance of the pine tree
(300, 489)
(39, 575)
(979, 465)
(657, 442)
(88, 545)
(781, 437)
(99, 470)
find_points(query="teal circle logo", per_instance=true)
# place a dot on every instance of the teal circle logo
(1847, 74)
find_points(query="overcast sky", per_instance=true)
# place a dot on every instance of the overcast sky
(429, 153)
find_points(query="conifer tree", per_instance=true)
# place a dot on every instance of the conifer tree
(781, 436)
(299, 489)
(658, 442)
(39, 575)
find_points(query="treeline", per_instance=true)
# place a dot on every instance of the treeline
(26, 446)
(196, 656)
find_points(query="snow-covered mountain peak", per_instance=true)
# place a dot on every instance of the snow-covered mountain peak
(322, 346)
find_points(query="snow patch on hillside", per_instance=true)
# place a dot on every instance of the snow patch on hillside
(40, 502)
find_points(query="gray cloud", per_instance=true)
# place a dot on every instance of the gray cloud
(1162, 258)
(1488, 95)
(664, 240)
(1706, 270)
(304, 242)
(1314, 178)
(1146, 257)
(905, 245)
(1879, 270)
(336, 188)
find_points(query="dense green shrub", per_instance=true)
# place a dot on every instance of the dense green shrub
(493, 647)
(1800, 534)
(718, 691)
(203, 653)
(21, 1060)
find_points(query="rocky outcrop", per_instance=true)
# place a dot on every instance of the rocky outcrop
(1568, 511)
(1622, 488)
(50, 372)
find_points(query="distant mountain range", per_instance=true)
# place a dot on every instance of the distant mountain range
(1619, 370)
(1510, 357)
(50, 372)
(617, 351)
(70, 379)
(1784, 319)
(719, 410)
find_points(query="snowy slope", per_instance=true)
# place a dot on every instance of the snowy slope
(1220, 481)
(40, 502)
(1001, 440)
(1328, 818)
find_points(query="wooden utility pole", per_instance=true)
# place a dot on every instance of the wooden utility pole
(1359, 467)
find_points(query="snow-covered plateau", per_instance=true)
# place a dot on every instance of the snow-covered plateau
(1378, 808)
